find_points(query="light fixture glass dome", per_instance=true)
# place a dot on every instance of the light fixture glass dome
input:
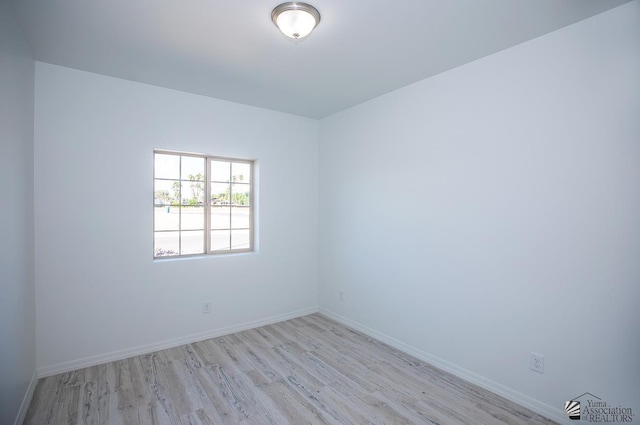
(296, 20)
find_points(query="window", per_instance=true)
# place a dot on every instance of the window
(202, 205)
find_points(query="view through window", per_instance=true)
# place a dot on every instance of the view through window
(202, 204)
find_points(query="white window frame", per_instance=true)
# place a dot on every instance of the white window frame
(207, 204)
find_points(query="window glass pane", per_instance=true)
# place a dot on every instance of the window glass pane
(192, 242)
(240, 194)
(220, 171)
(166, 217)
(192, 168)
(220, 240)
(220, 217)
(240, 239)
(166, 244)
(240, 217)
(192, 217)
(192, 193)
(166, 166)
(220, 193)
(240, 172)
(166, 192)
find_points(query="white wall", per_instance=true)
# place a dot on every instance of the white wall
(17, 316)
(494, 210)
(99, 293)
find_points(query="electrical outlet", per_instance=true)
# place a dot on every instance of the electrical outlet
(341, 295)
(206, 307)
(536, 362)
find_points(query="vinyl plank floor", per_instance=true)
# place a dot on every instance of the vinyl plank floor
(309, 370)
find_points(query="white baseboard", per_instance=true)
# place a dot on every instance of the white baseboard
(149, 348)
(26, 400)
(534, 405)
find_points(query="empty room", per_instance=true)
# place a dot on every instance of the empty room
(331, 212)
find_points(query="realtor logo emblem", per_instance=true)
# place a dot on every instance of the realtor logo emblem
(572, 409)
(590, 408)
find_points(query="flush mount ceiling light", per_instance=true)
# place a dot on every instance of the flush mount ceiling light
(295, 19)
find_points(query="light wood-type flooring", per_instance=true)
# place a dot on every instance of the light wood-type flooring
(309, 370)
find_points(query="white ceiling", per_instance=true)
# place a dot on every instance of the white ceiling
(231, 49)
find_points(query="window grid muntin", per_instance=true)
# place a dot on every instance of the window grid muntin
(230, 184)
(180, 204)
